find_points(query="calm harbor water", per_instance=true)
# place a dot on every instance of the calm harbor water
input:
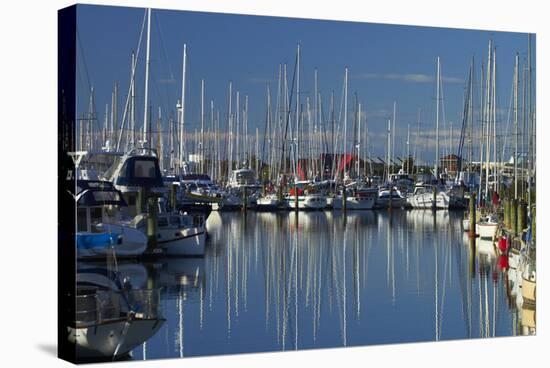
(281, 281)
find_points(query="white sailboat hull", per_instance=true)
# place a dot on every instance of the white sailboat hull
(182, 242)
(133, 243)
(307, 202)
(426, 201)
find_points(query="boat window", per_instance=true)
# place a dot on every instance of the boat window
(162, 222)
(106, 196)
(81, 219)
(174, 220)
(144, 169)
(96, 215)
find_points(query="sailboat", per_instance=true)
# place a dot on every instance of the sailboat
(98, 204)
(433, 195)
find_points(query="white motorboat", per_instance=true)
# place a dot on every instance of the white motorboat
(98, 205)
(423, 197)
(178, 234)
(487, 227)
(383, 200)
(269, 202)
(312, 201)
(138, 168)
(359, 199)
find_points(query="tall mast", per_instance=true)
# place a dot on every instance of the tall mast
(470, 118)
(516, 87)
(436, 168)
(408, 148)
(297, 108)
(389, 149)
(530, 125)
(358, 139)
(495, 170)
(133, 102)
(182, 108)
(147, 62)
(345, 119)
(488, 104)
(230, 134)
(201, 144)
(392, 149)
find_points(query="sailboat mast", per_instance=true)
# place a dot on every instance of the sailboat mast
(345, 119)
(182, 109)
(358, 139)
(488, 104)
(297, 109)
(133, 102)
(436, 171)
(392, 146)
(147, 62)
(516, 87)
(201, 144)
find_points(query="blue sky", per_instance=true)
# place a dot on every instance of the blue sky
(386, 62)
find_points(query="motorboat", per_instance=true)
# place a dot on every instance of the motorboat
(423, 197)
(97, 217)
(384, 195)
(487, 227)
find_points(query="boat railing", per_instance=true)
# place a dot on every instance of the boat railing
(142, 151)
(97, 307)
(145, 302)
(105, 306)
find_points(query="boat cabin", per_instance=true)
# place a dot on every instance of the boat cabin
(96, 201)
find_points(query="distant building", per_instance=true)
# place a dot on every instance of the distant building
(450, 163)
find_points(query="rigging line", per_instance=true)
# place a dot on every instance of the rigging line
(507, 124)
(132, 79)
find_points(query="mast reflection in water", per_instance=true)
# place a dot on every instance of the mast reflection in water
(286, 281)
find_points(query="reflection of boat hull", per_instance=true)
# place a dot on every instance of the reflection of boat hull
(395, 203)
(528, 289)
(354, 203)
(101, 340)
(267, 204)
(528, 315)
(466, 224)
(486, 247)
(487, 230)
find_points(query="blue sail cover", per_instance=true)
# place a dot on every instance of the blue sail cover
(95, 240)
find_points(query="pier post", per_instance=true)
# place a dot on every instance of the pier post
(173, 196)
(151, 223)
(507, 214)
(533, 225)
(141, 199)
(522, 216)
(471, 257)
(472, 210)
(514, 217)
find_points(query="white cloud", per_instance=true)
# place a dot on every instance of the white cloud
(409, 77)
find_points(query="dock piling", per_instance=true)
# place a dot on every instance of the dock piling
(472, 209)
